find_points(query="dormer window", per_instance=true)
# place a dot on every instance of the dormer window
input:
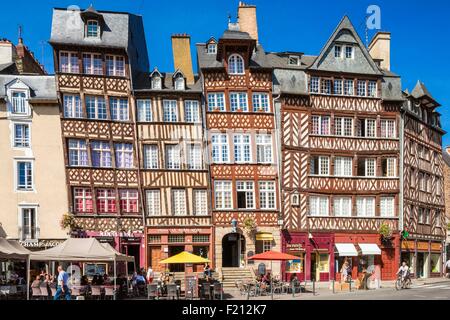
(19, 103)
(92, 29)
(211, 48)
(156, 82)
(349, 52)
(235, 64)
(337, 51)
(179, 83)
(294, 61)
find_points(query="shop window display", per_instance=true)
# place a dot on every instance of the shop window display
(435, 263)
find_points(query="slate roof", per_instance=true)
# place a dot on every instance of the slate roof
(119, 30)
(207, 60)
(143, 83)
(420, 90)
(41, 87)
(279, 60)
(446, 156)
(234, 34)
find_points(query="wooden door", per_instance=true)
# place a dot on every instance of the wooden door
(155, 257)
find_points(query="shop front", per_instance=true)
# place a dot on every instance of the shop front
(368, 257)
(163, 243)
(129, 243)
(425, 258)
(315, 254)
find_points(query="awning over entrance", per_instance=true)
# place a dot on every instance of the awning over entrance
(264, 236)
(346, 250)
(370, 249)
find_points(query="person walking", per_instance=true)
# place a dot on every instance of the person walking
(150, 275)
(63, 280)
(447, 269)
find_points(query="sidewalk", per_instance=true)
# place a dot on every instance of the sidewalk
(322, 290)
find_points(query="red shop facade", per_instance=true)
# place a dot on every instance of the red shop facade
(383, 263)
(315, 252)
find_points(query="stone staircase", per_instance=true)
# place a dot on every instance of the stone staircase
(231, 275)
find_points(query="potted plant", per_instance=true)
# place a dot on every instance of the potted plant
(385, 232)
(249, 225)
(68, 222)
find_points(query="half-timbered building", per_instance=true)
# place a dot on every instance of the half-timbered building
(96, 56)
(424, 220)
(339, 117)
(240, 121)
(174, 176)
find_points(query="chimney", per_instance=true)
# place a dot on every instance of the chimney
(380, 49)
(247, 19)
(7, 51)
(181, 48)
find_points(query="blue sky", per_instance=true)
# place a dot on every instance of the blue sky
(419, 47)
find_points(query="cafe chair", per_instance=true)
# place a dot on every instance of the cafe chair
(152, 291)
(96, 292)
(44, 292)
(36, 292)
(206, 291)
(172, 292)
(110, 292)
(217, 291)
(75, 292)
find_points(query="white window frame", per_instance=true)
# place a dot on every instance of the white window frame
(361, 88)
(223, 190)
(173, 156)
(314, 85)
(156, 83)
(363, 203)
(211, 48)
(200, 202)
(75, 109)
(216, 101)
(372, 89)
(153, 199)
(352, 52)
(349, 87)
(179, 204)
(242, 143)
(343, 166)
(116, 71)
(103, 148)
(338, 51)
(88, 32)
(84, 197)
(22, 101)
(319, 206)
(144, 108)
(294, 60)
(264, 148)
(260, 101)
(267, 195)
(78, 149)
(128, 195)
(28, 187)
(391, 167)
(121, 150)
(170, 110)
(98, 100)
(192, 111)
(91, 68)
(338, 87)
(323, 165)
(370, 167)
(239, 101)
(23, 142)
(71, 68)
(220, 148)
(341, 126)
(236, 64)
(388, 128)
(342, 206)
(387, 206)
(151, 156)
(319, 119)
(179, 83)
(21, 208)
(248, 187)
(194, 156)
(117, 110)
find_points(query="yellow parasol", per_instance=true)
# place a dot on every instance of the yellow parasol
(185, 257)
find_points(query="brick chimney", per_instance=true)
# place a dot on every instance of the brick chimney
(380, 49)
(247, 19)
(181, 48)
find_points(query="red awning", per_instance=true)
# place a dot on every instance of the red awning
(274, 256)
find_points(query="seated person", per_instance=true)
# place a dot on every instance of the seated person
(84, 280)
(37, 282)
(106, 279)
(266, 278)
(207, 270)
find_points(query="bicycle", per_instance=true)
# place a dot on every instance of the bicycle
(403, 282)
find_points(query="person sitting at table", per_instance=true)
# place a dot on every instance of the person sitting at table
(106, 279)
(37, 282)
(207, 270)
(94, 280)
(84, 280)
(266, 278)
(13, 277)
